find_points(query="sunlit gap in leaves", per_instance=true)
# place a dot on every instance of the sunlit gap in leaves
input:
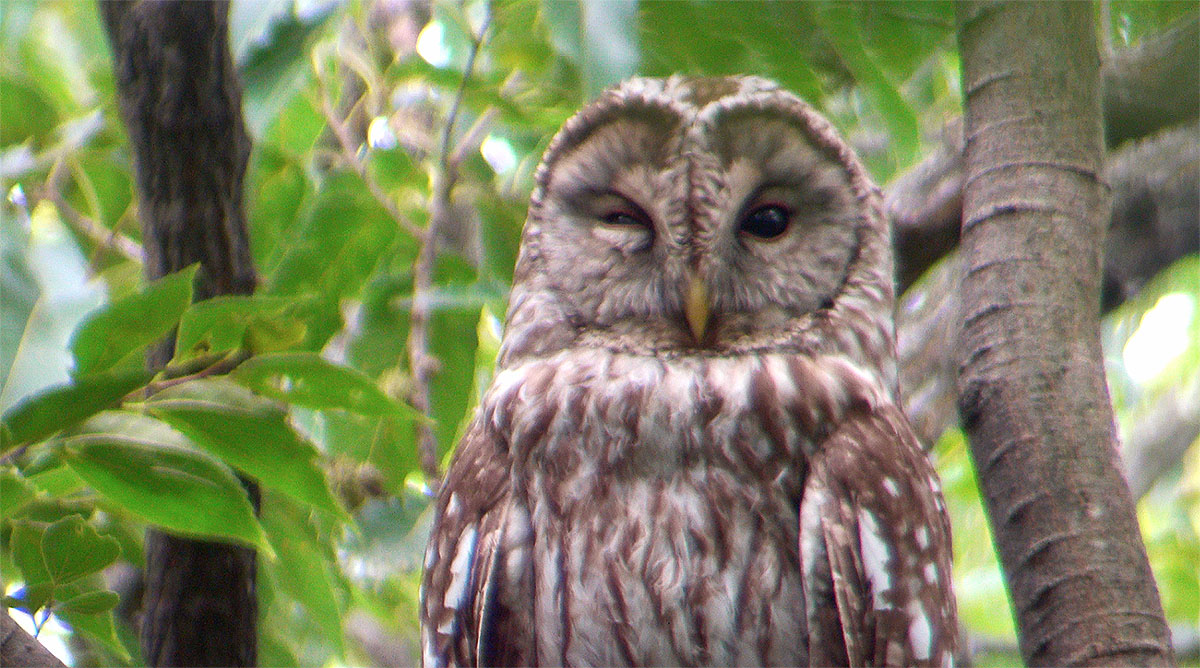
(431, 44)
(54, 633)
(380, 135)
(1160, 338)
(499, 154)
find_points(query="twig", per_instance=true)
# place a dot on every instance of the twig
(350, 155)
(88, 227)
(208, 366)
(423, 364)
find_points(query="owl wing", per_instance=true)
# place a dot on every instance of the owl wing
(466, 618)
(875, 550)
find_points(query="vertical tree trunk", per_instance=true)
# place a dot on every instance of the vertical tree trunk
(1032, 393)
(181, 102)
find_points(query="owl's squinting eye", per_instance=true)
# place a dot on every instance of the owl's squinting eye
(623, 218)
(766, 222)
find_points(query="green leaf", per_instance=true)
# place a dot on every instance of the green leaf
(226, 323)
(72, 549)
(31, 598)
(453, 335)
(25, 546)
(303, 569)
(19, 287)
(274, 66)
(141, 465)
(105, 191)
(40, 359)
(91, 603)
(394, 168)
(327, 258)
(282, 187)
(15, 492)
(60, 407)
(307, 379)
(128, 325)
(249, 432)
(30, 115)
(99, 627)
(49, 474)
(839, 25)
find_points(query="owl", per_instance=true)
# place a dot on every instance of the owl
(692, 451)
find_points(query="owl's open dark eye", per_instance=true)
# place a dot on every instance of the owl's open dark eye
(765, 222)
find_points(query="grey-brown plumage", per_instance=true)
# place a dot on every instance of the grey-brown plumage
(692, 452)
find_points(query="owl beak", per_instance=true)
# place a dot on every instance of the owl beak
(696, 306)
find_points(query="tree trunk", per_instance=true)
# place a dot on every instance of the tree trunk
(1032, 393)
(181, 102)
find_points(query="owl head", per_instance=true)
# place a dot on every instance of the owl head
(723, 216)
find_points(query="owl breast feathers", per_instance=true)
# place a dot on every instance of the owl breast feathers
(692, 451)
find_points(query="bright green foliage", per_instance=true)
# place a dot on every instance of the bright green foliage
(63, 406)
(130, 324)
(221, 417)
(307, 379)
(143, 467)
(305, 387)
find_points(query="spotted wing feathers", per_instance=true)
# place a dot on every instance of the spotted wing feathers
(875, 549)
(464, 617)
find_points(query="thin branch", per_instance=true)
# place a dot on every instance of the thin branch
(209, 366)
(87, 226)
(18, 648)
(350, 155)
(424, 365)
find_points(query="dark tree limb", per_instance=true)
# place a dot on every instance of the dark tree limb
(1154, 84)
(18, 649)
(181, 102)
(1032, 393)
(1156, 209)
(1146, 88)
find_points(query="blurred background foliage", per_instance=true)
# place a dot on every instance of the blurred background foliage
(365, 118)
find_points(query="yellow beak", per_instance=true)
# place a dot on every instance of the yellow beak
(696, 306)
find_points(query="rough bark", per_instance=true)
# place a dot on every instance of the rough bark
(1147, 88)
(19, 649)
(1032, 394)
(181, 102)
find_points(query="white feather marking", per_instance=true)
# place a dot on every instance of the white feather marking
(785, 386)
(812, 542)
(890, 485)
(460, 570)
(429, 658)
(920, 637)
(452, 505)
(875, 554)
(923, 537)
(931, 573)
